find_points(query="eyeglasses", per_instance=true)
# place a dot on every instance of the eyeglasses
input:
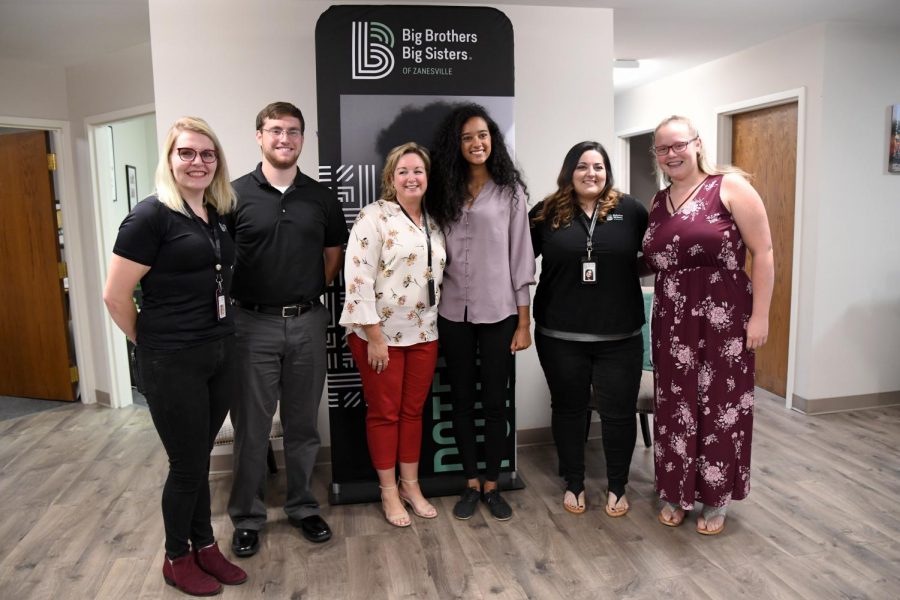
(677, 147)
(277, 132)
(189, 154)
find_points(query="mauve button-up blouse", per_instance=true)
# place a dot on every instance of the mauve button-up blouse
(490, 261)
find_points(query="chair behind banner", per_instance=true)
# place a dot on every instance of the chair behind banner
(645, 392)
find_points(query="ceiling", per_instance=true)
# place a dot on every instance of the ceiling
(665, 36)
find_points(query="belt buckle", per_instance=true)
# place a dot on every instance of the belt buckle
(286, 311)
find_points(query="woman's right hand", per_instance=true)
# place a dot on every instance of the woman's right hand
(378, 356)
(377, 348)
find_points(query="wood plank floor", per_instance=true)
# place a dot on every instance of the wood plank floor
(80, 488)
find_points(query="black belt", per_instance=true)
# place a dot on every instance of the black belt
(289, 310)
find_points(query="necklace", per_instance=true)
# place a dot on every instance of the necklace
(474, 188)
(674, 208)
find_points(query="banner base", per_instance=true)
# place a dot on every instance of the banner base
(356, 492)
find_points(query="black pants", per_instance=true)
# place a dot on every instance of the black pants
(459, 341)
(189, 392)
(613, 370)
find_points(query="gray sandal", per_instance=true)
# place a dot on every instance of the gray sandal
(711, 512)
(674, 508)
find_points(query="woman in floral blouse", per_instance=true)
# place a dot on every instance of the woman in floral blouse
(393, 269)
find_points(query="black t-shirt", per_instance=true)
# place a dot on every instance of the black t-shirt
(179, 290)
(614, 305)
(280, 239)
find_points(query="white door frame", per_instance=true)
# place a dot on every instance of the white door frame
(112, 338)
(622, 172)
(723, 126)
(79, 299)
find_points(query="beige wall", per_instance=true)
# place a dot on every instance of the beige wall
(32, 90)
(855, 336)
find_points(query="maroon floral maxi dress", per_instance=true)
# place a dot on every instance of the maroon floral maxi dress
(704, 374)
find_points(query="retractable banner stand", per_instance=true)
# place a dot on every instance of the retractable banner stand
(387, 75)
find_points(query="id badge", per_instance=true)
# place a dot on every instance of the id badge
(220, 305)
(432, 296)
(588, 271)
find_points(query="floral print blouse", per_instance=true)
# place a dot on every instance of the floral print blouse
(386, 274)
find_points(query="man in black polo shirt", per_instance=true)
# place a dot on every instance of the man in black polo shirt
(289, 233)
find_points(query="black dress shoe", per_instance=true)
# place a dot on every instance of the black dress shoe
(313, 527)
(245, 542)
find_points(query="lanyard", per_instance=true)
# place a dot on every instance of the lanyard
(212, 238)
(431, 291)
(590, 230)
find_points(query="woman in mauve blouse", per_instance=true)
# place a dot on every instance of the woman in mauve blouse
(393, 267)
(480, 202)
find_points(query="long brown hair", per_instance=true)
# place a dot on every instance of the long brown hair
(559, 207)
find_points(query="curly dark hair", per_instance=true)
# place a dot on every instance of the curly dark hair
(559, 208)
(448, 186)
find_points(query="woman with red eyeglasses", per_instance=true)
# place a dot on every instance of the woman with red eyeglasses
(174, 244)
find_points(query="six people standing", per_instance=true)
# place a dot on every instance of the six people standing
(407, 282)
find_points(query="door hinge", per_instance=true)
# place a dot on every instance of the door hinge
(51, 161)
(73, 374)
(63, 270)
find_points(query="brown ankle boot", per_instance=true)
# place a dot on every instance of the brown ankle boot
(211, 560)
(184, 574)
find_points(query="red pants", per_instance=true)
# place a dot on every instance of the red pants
(395, 398)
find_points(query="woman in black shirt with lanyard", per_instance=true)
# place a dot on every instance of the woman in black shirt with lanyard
(588, 312)
(174, 244)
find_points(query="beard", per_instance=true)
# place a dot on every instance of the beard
(276, 159)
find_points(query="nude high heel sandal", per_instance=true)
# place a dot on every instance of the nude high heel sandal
(399, 519)
(426, 512)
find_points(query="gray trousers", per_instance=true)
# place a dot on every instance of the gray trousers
(280, 358)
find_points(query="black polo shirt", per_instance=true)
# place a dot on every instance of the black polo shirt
(279, 239)
(179, 290)
(615, 304)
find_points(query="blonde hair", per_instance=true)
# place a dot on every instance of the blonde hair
(702, 162)
(388, 192)
(220, 195)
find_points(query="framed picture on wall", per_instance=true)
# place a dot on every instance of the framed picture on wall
(131, 185)
(894, 148)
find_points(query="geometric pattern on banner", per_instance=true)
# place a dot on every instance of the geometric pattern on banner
(355, 186)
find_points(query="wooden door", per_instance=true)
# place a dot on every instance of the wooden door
(35, 359)
(764, 143)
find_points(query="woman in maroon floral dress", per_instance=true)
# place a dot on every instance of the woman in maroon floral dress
(708, 319)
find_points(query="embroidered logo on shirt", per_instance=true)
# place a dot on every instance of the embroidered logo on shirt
(615, 217)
